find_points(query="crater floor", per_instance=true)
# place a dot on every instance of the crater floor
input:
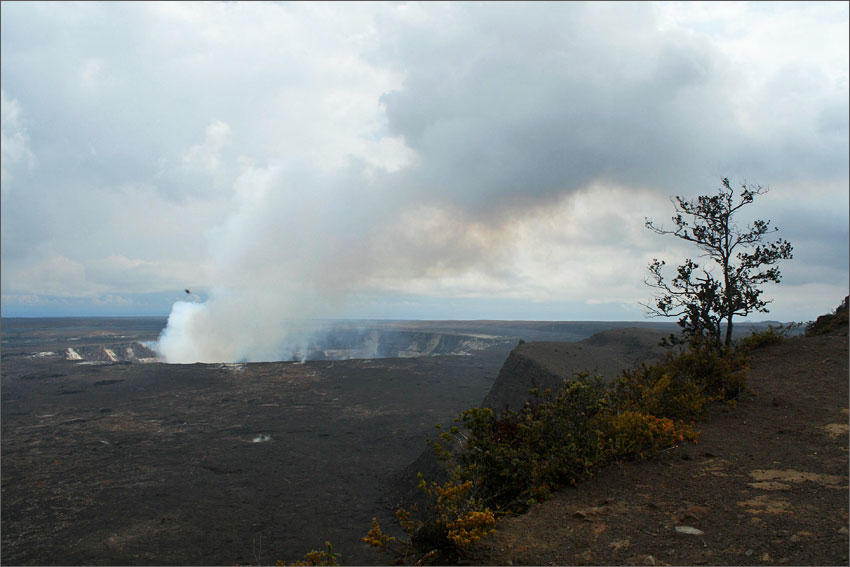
(213, 464)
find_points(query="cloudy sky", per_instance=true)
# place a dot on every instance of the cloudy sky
(395, 160)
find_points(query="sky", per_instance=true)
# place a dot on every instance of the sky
(288, 161)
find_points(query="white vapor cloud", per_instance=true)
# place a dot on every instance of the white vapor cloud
(311, 160)
(14, 140)
(207, 156)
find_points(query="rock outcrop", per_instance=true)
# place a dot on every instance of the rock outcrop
(831, 321)
(547, 365)
(122, 352)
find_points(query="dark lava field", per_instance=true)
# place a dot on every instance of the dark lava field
(107, 459)
(210, 464)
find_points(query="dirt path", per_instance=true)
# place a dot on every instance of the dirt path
(767, 483)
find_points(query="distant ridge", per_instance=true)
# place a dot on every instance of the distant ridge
(548, 364)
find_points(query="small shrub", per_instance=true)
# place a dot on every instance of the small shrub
(661, 390)
(326, 557)
(516, 458)
(461, 517)
(635, 434)
(455, 522)
(377, 538)
(682, 385)
(771, 336)
(468, 528)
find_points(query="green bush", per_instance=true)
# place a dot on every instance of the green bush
(681, 386)
(457, 519)
(661, 390)
(771, 336)
(517, 458)
(640, 435)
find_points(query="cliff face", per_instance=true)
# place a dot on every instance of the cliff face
(544, 365)
(547, 365)
(520, 373)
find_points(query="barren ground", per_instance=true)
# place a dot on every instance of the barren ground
(207, 464)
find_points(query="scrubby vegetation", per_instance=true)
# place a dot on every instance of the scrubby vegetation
(771, 336)
(503, 463)
(457, 520)
(831, 321)
(326, 557)
(682, 385)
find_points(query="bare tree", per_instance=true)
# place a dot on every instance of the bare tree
(701, 299)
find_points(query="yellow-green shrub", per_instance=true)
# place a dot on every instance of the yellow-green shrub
(682, 385)
(376, 537)
(326, 557)
(771, 336)
(455, 522)
(635, 434)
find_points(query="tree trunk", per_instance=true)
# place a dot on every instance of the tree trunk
(728, 341)
(727, 289)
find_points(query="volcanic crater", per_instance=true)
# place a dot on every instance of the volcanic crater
(110, 461)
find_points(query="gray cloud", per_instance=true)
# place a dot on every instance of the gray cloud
(503, 113)
(308, 153)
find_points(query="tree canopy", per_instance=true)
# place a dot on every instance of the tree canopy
(737, 263)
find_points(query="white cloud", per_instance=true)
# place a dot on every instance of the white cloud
(14, 140)
(91, 74)
(589, 246)
(56, 275)
(207, 155)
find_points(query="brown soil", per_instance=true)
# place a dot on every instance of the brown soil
(766, 484)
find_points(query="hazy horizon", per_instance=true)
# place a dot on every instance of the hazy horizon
(164, 318)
